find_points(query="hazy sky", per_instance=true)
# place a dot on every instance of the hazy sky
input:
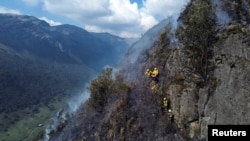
(126, 18)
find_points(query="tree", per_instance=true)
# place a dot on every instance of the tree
(198, 34)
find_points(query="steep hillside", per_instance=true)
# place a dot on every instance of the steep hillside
(24, 78)
(203, 73)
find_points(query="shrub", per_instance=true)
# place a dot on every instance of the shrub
(106, 87)
(100, 88)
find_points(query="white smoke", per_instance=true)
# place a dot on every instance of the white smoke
(221, 15)
(76, 101)
(61, 116)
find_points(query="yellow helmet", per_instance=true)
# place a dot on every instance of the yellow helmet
(164, 98)
(169, 110)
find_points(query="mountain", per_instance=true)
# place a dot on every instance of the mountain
(203, 73)
(63, 43)
(121, 44)
(42, 66)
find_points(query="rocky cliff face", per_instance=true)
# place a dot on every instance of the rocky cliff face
(224, 99)
(229, 102)
(204, 75)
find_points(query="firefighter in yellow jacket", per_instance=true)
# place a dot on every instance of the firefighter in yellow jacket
(155, 74)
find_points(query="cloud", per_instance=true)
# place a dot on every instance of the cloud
(119, 17)
(50, 22)
(76, 9)
(6, 10)
(31, 2)
(164, 8)
(147, 21)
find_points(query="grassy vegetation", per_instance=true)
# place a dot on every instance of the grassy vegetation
(24, 124)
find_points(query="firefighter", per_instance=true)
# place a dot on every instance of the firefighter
(164, 105)
(170, 115)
